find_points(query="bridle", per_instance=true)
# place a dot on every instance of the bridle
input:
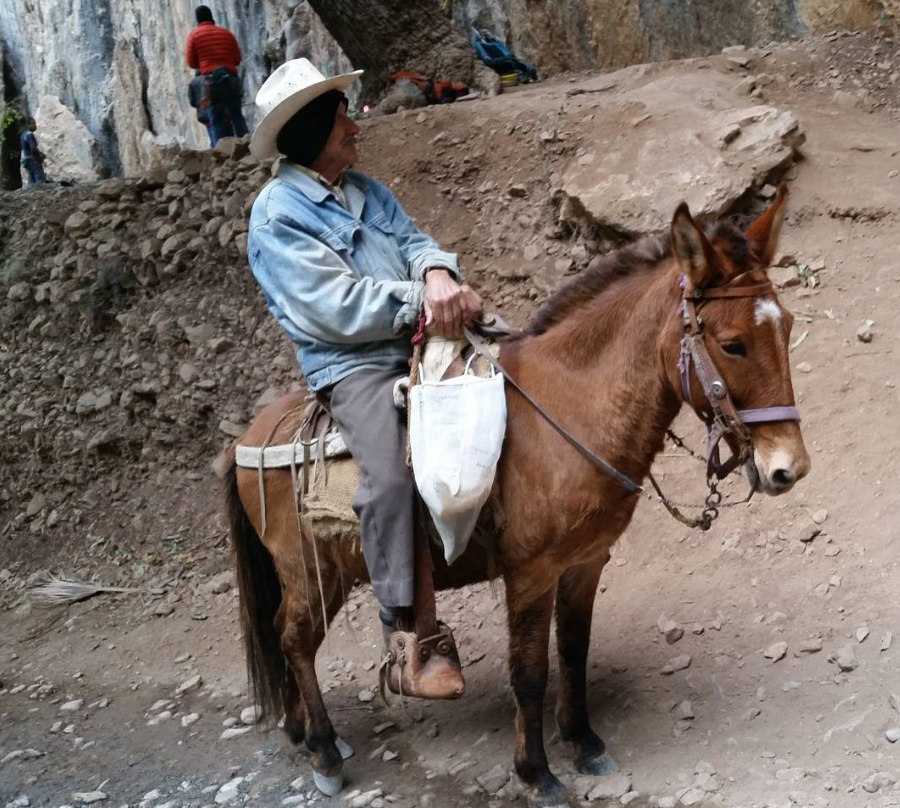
(725, 421)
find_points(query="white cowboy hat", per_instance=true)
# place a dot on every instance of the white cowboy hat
(290, 88)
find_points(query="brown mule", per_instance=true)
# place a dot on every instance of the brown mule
(602, 357)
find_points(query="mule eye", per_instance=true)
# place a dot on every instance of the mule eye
(735, 348)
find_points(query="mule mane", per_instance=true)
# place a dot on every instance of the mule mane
(642, 257)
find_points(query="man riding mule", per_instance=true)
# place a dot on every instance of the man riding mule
(608, 362)
(347, 274)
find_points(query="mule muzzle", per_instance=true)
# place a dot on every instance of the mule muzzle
(777, 472)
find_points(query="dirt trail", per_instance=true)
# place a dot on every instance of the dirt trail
(735, 728)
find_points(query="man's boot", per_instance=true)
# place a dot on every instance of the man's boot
(424, 668)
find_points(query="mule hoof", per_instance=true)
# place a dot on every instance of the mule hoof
(329, 786)
(548, 802)
(344, 748)
(552, 795)
(600, 766)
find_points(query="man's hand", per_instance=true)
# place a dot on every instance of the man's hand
(449, 306)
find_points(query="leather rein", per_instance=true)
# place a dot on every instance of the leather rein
(725, 419)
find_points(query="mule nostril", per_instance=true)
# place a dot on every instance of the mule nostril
(782, 478)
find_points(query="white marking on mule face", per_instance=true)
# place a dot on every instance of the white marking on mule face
(779, 459)
(767, 310)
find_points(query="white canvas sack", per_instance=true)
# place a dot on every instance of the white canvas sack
(456, 432)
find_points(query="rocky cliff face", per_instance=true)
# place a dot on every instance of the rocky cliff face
(118, 67)
(590, 34)
(107, 77)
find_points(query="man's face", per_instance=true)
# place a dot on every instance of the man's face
(32, 125)
(340, 149)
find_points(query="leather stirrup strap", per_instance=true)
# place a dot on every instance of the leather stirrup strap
(424, 608)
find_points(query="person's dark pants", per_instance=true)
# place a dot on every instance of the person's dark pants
(226, 119)
(35, 171)
(375, 433)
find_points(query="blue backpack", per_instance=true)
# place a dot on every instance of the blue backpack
(497, 56)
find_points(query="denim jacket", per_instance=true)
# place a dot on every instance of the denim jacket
(344, 284)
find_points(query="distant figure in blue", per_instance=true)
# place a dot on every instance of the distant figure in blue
(32, 156)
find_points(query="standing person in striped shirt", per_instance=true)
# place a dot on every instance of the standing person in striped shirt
(214, 52)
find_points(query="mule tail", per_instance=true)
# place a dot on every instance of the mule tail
(260, 596)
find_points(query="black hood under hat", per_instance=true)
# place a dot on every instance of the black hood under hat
(304, 135)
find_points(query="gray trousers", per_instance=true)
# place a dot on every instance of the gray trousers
(375, 433)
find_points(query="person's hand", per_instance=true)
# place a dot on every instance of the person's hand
(448, 306)
(472, 305)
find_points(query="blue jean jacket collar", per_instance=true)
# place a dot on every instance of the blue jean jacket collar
(354, 189)
(292, 175)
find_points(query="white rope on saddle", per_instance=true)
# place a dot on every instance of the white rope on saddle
(282, 455)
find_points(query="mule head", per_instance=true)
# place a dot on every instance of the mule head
(747, 338)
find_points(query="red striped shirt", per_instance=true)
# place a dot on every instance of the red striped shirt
(210, 47)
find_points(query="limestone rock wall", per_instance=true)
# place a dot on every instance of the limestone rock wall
(118, 67)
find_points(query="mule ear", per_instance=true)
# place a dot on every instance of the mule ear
(762, 235)
(692, 249)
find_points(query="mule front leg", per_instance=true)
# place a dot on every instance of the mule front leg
(574, 610)
(530, 607)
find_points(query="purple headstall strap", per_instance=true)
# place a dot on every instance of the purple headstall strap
(763, 415)
(684, 368)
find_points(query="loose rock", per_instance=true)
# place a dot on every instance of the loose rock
(494, 779)
(877, 781)
(229, 792)
(71, 706)
(234, 732)
(669, 629)
(89, 797)
(189, 685)
(251, 715)
(219, 584)
(776, 652)
(610, 788)
(691, 796)
(365, 799)
(685, 710)
(678, 663)
(845, 659)
(811, 646)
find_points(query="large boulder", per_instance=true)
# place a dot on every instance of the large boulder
(691, 136)
(71, 150)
